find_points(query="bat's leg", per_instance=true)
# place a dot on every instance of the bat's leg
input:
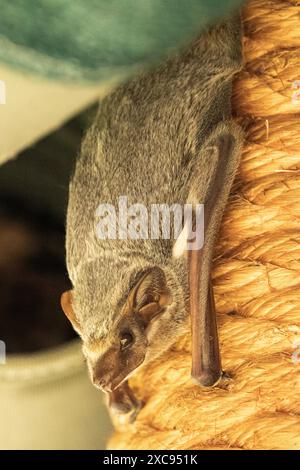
(123, 402)
(224, 150)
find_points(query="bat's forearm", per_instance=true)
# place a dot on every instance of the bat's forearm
(206, 361)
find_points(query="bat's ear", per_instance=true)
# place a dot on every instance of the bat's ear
(66, 305)
(151, 295)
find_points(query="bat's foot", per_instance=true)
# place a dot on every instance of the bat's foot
(124, 406)
(207, 378)
(122, 416)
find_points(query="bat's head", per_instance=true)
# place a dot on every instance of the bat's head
(141, 326)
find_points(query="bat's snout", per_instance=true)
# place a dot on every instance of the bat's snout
(113, 367)
(107, 383)
(103, 383)
(105, 373)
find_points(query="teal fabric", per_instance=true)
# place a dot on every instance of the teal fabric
(98, 39)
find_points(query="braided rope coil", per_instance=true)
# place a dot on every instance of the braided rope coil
(256, 273)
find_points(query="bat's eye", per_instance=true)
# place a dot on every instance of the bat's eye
(126, 340)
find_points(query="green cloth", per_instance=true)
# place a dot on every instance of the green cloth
(81, 40)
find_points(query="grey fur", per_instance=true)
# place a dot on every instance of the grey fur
(148, 141)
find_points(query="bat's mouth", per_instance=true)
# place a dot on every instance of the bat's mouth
(118, 382)
(109, 386)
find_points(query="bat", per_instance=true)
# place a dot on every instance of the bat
(165, 139)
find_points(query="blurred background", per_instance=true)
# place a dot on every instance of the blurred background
(46, 399)
(58, 58)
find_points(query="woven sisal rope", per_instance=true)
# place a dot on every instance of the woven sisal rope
(256, 273)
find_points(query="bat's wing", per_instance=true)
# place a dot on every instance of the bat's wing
(219, 159)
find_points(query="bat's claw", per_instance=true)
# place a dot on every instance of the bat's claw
(124, 406)
(207, 378)
(125, 415)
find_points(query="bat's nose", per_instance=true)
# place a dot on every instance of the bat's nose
(103, 370)
(103, 383)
